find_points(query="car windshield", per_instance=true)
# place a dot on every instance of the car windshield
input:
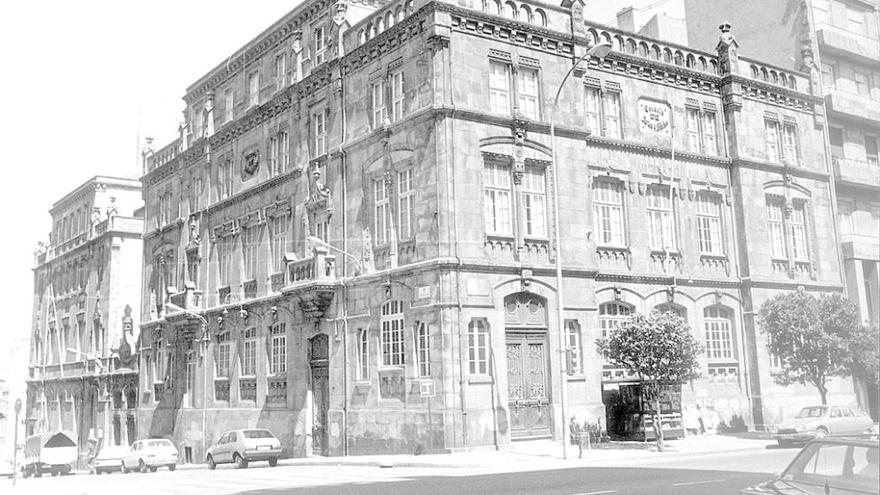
(257, 434)
(811, 412)
(159, 443)
(840, 465)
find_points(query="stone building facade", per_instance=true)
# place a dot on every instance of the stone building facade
(82, 377)
(839, 41)
(352, 243)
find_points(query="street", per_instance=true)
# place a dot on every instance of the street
(718, 474)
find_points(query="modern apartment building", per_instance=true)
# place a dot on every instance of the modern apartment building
(82, 377)
(353, 241)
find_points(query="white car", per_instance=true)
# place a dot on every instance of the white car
(150, 455)
(820, 422)
(109, 459)
(243, 446)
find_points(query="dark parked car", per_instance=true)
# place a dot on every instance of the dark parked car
(836, 466)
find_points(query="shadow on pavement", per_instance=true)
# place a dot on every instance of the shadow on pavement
(555, 482)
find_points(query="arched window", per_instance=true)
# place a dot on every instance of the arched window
(655, 52)
(370, 32)
(362, 38)
(631, 46)
(667, 56)
(510, 11)
(679, 58)
(525, 13)
(643, 49)
(691, 62)
(389, 19)
(408, 7)
(392, 334)
(540, 18)
(718, 323)
(672, 308)
(399, 15)
(611, 314)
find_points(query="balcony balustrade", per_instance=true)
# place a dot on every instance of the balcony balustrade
(856, 171)
(844, 42)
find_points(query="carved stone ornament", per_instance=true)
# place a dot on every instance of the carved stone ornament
(319, 193)
(251, 163)
(727, 48)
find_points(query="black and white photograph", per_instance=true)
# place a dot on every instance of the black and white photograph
(434, 247)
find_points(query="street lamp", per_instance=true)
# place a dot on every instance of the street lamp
(600, 51)
(359, 265)
(204, 341)
(15, 442)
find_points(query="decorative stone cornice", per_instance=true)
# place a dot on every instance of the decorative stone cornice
(388, 41)
(780, 169)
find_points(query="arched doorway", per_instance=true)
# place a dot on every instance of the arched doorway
(319, 360)
(528, 366)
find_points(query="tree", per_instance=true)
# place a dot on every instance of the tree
(814, 339)
(660, 349)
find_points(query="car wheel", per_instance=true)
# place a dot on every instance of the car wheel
(273, 462)
(821, 433)
(211, 464)
(153, 469)
(55, 472)
(142, 467)
(240, 462)
(38, 472)
(172, 467)
(125, 469)
(98, 472)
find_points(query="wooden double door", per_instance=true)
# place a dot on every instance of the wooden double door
(528, 394)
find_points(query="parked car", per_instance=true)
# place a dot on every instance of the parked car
(150, 455)
(844, 466)
(51, 452)
(820, 422)
(109, 459)
(244, 446)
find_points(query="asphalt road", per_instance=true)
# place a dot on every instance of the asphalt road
(714, 474)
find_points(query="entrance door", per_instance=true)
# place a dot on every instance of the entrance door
(319, 364)
(527, 392)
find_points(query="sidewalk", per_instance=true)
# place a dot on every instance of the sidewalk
(544, 454)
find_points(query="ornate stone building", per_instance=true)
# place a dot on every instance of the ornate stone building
(839, 41)
(352, 242)
(83, 365)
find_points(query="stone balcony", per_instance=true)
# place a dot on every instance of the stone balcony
(312, 281)
(846, 43)
(189, 298)
(860, 107)
(860, 247)
(859, 172)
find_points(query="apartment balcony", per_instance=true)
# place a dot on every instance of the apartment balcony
(848, 44)
(860, 247)
(860, 107)
(858, 172)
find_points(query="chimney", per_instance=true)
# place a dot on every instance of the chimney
(626, 19)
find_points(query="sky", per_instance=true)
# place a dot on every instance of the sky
(83, 83)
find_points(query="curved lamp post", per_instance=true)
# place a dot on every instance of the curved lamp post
(599, 51)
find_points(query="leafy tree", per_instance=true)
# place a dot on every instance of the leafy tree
(815, 339)
(660, 349)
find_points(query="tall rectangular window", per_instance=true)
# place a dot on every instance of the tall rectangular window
(363, 355)
(871, 145)
(527, 92)
(280, 71)
(611, 315)
(405, 203)
(608, 213)
(693, 129)
(382, 212)
(250, 248)
(190, 381)
(224, 265)
(397, 96)
(320, 133)
(660, 218)
(592, 109)
(499, 87)
(478, 347)
(534, 191)
(798, 227)
(225, 178)
(249, 353)
(321, 230)
(320, 45)
(278, 226)
(709, 223)
(273, 155)
(829, 75)
(860, 79)
(612, 115)
(378, 103)
(771, 140)
(719, 339)
(497, 199)
(253, 89)
(710, 139)
(278, 363)
(284, 150)
(392, 334)
(224, 355)
(776, 227)
(573, 344)
(228, 105)
(789, 143)
(423, 349)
